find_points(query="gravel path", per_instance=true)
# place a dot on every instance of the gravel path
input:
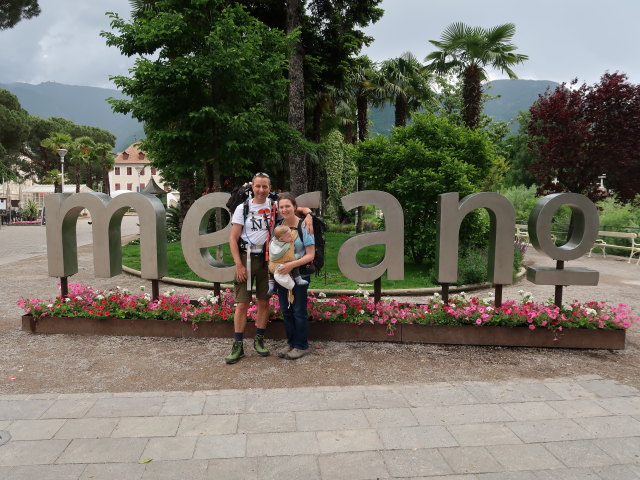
(71, 363)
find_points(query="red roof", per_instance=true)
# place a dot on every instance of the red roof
(132, 155)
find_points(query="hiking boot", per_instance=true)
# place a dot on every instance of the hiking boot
(258, 344)
(237, 352)
(295, 354)
(282, 353)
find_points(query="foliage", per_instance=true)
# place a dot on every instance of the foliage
(30, 210)
(14, 131)
(519, 155)
(339, 169)
(13, 11)
(84, 301)
(578, 133)
(466, 51)
(523, 200)
(429, 157)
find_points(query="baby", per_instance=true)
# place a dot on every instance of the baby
(281, 250)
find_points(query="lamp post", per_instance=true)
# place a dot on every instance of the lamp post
(138, 170)
(601, 187)
(62, 152)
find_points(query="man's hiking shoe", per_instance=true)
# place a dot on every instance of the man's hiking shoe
(258, 344)
(237, 352)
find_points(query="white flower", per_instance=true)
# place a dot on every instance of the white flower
(99, 297)
(361, 312)
(590, 311)
(67, 299)
(78, 297)
(436, 294)
(489, 309)
(322, 295)
(50, 305)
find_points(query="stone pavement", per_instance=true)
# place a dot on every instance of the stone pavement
(564, 428)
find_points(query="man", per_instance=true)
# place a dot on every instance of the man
(251, 232)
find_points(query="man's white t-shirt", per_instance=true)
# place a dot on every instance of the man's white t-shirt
(256, 225)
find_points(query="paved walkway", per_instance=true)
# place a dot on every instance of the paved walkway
(566, 428)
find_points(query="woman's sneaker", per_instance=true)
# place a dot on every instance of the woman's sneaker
(282, 353)
(295, 354)
(237, 352)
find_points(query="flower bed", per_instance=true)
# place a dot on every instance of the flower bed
(356, 317)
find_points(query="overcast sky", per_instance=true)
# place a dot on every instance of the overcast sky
(563, 38)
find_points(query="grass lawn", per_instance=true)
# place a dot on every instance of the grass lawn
(416, 276)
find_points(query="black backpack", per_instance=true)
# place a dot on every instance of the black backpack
(319, 227)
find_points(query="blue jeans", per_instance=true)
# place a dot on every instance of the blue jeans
(296, 319)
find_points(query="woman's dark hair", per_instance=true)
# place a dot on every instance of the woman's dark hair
(288, 196)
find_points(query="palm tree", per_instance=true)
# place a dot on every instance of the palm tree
(467, 51)
(406, 82)
(50, 145)
(361, 82)
(82, 148)
(104, 151)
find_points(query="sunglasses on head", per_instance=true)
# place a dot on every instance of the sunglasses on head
(261, 174)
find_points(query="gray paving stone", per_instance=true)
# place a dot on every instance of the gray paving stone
(277, 468)
(391, 417)
(183, 405)
(286, 443)
(178, 469)
(480, 434)
(470, 460)
(437, 394)
(221, 446)
(385, 399)
(413, 463)
(460, 414)
(578, 408)
(34, 429)
(112, 471)
(570, 390)
(146, 427)
(87, 428)
(353, 466)
(287, 402)
(32, 452)
(568, 474)
(4, 424)
(549, 430)
(232, 469)
(331, 420)
(624, 450)
(608, 427)
(69, 408)
(41, 472)
(448, 477)
(208, 425)
(621, 405)
(507, 476)
(608, 388)
(346, 400)
(126, 407)
(531, 411)
(266, 422)
(416, 437)
(171, 448)
(512, 392)
(23, 409)
(225, 404)
(524, 457)
(103, 450)
(618, 472)
(348, 441)
(579, 453)
(44, 396)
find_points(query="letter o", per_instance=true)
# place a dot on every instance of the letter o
(585, 225)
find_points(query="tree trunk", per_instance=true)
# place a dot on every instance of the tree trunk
(402, 111)
(297, 160)
(363, 121)
(77, 178)
(89, 175)
(186, 186)
(349, 134)
(216, 178)
(471, 96)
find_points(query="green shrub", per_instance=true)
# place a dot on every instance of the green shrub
(30, 210)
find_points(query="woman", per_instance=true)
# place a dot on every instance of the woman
(295, 314)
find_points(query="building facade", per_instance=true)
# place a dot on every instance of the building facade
(132, 171)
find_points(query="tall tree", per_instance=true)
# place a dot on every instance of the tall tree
(12, 11)
(205, 79)
(14, 131)
(579, 133)
(405, 82)
(467, 51)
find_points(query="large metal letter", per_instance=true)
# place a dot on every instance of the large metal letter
(585, 225)
(392, 238)
(106, 215)
(503, 220)
(196, 241)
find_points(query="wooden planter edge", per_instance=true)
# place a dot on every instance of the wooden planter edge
(448, 335)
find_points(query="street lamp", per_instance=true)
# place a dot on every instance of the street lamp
(138, 170)
(62, 152)
(601, 186)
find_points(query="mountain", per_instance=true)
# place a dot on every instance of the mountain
(81, 105)
(510, 98)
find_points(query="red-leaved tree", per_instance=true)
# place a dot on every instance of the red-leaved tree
(580, 133)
